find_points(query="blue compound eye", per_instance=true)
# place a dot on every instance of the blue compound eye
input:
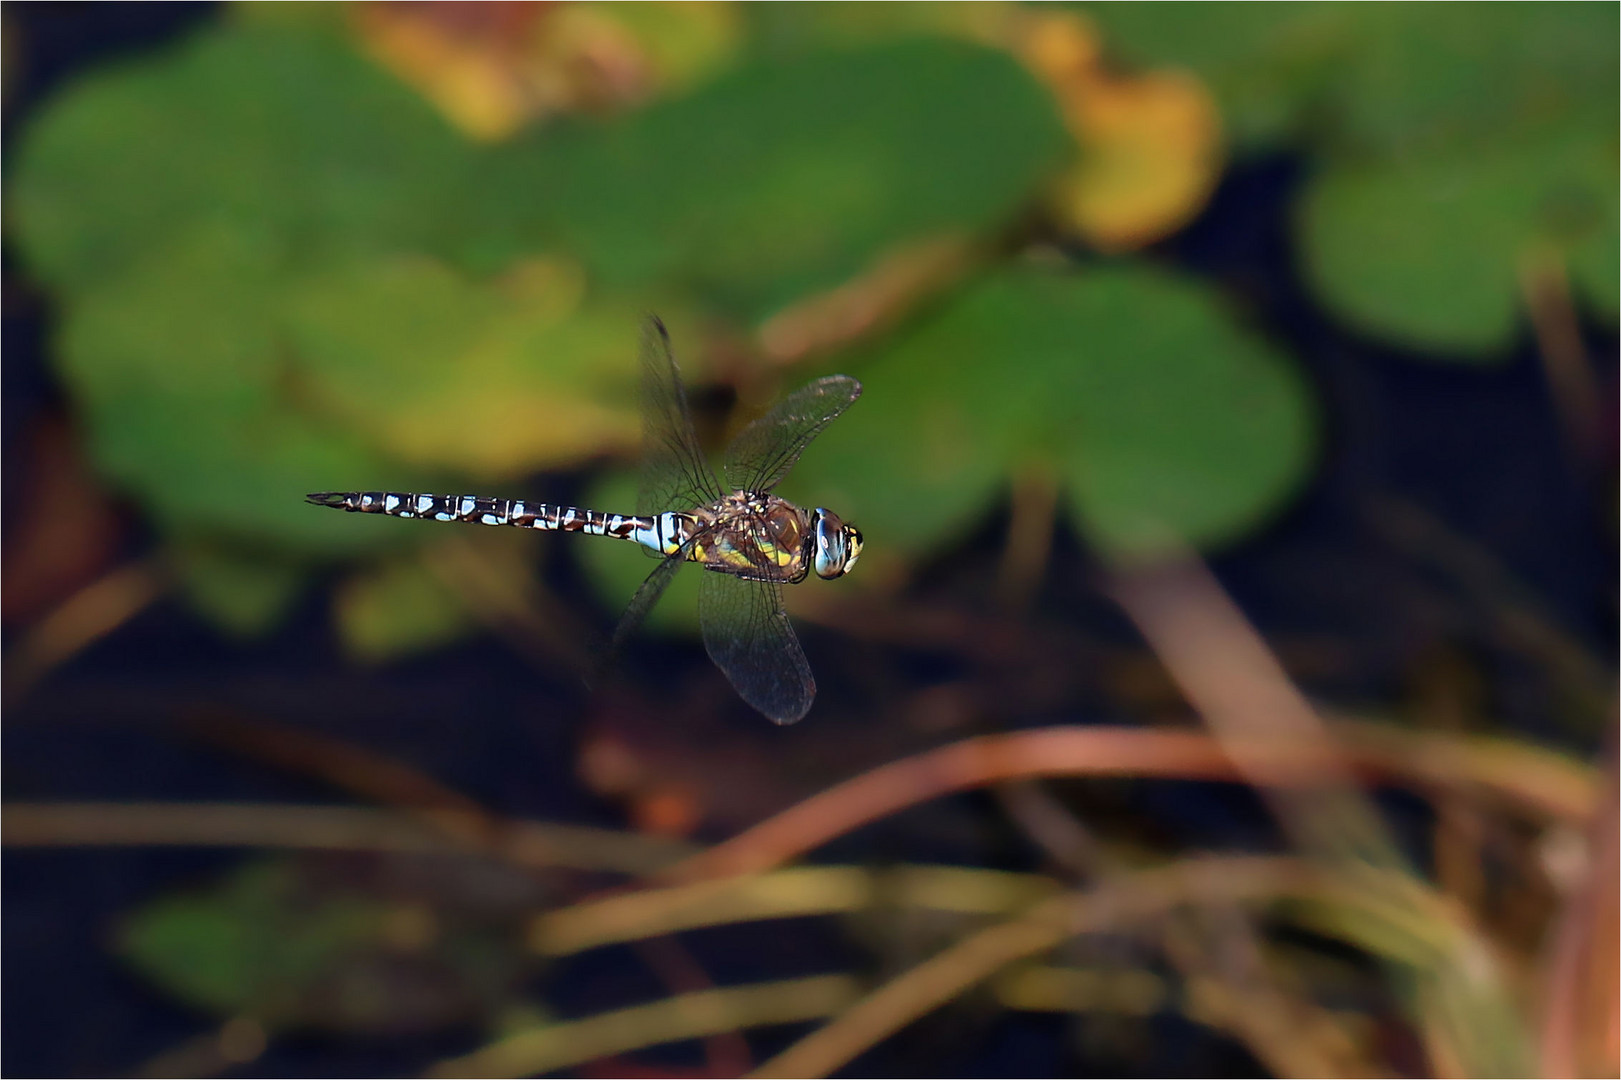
(831, 556)
(837, 545)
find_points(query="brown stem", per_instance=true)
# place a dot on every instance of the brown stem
(1541, 784)
(1546, 289)
(333, 828)
(1030, 534)
(944, 976)
(1580, 998)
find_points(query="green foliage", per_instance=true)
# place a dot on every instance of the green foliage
(1427, 76)
(287, 138)
(1472, 141)
(240, 161)
(396, 608)
(243, 591)
(1454, 143)
(786, 178)
(1382, 77)
(285, 943)
(249, 946)
(181, 372)
(1268, 65)
(787, 29)
(302, 279)
(1431, 247)
(280, 270)
(491, 378)
(1168, 421)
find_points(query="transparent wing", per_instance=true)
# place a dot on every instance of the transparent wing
(763, 452)
(674, 473)
(748, 636)
(646, 596)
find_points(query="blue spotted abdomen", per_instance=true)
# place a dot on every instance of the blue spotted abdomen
(663, 534)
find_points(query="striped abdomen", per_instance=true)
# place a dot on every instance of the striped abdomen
(663, 534)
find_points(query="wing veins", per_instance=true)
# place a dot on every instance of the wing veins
(675, 475)
(767, 449)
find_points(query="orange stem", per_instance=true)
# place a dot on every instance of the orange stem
(1549, 790)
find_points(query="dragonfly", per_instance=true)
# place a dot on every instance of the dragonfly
(751, 541)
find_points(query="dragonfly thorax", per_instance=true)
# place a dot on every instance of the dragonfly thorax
(761, 536)
(754, 535)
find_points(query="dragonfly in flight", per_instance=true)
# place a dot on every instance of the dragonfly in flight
(752, 541)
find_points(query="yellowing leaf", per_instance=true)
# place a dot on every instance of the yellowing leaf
(465, 65)
(896, 282)
(1151, 143)
(495, 378)
(493, 67)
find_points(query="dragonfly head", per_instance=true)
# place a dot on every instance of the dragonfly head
(837, 546)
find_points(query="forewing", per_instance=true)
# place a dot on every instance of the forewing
(763, 452)
(674, 473)
(748, 636)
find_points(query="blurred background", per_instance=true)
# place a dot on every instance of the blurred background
(1228, 685)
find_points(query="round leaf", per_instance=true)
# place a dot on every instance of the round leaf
(178, 369)
(1266, 64)
(494, 378)
(290, 943)
(781, 179)
(285, 132)
(1167, 420)
(1429, 249)
(1435, 75)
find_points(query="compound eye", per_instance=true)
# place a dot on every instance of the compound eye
(831, 556)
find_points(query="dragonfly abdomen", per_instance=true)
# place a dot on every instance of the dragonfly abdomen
(664, 533)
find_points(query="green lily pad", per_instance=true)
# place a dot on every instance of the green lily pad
(278, 942)
(1268, 65)
(1381, 77)
(1167, 420)
(1186, 427)
(777, 180)
(496, 378)
(244, 948)
(1432, 76)
(172, 200)
(182, 376)
(1429, 249)
(1454, 168)
(1453, 143)
(285, 133)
